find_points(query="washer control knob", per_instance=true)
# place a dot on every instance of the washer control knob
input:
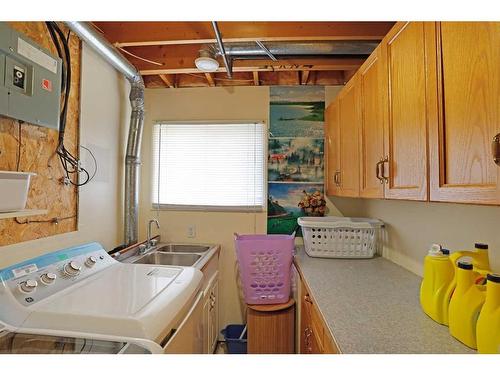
(72, 268)
(28, 286)
(91, 261)
(48, 278)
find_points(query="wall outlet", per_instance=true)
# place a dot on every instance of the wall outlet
(191, 231)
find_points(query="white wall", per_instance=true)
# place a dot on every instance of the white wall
(413, 226)
(237, 103)
(103, 111)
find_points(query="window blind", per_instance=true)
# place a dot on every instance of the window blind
(219, 166)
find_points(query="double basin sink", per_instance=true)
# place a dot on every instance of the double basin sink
(173, 255)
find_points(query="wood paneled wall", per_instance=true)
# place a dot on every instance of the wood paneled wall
(38, 145)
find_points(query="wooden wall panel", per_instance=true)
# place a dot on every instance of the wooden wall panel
(38, 155)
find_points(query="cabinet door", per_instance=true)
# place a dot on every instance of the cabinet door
(213, 321)
(405, 133)
(332, 148)
(206, 325)
(371, 132)
(349, 121)
(464, 80)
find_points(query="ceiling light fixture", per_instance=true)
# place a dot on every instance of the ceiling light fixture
(207, 61)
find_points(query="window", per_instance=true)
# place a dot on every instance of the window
(216, 166)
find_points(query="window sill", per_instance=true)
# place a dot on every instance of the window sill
(173, 207)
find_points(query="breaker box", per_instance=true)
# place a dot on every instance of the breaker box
(30, 80)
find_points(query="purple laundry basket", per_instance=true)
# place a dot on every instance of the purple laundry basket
(265, 262)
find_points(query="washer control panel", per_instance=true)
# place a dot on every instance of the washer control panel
(33, 280)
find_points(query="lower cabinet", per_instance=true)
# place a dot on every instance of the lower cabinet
(211, 315)
(315, 337)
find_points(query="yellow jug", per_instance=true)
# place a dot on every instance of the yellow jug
(488, 324)
(480, 258)
(465, 305)
(438, 284)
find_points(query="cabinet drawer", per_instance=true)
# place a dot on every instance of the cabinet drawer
(315, 335)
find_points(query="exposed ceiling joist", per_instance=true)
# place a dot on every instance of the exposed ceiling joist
(164, 52)
(304, 77)
(210, 79)
(256, 78)
(267, 65)
(168, 33)
(169, 81)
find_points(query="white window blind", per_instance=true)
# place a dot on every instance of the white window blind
(208, 166)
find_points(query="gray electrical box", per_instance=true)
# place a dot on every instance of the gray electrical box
(30, 80)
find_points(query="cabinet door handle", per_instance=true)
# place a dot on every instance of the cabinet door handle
(308, 299)
(495, 149)
(336, 178)
(377, 170)
(384, 178)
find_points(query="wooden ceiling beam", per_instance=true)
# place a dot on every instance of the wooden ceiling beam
(149, 43)
(256, 81)
(292, 68)
(167, 33)
(169, 82)
(304, 77)
(210, 79)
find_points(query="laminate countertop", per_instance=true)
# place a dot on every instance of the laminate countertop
(372, 306)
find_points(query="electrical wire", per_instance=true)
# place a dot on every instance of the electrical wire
(70, 163)
(139, 57)
(95, 162)
(54, 220)
(19, 145)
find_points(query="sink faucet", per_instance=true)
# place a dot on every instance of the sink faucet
(149, 242)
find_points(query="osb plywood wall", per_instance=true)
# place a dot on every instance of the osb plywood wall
(38, 145)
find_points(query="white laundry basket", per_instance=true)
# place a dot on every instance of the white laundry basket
(340, 237)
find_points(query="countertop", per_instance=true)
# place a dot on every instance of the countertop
(372, 306)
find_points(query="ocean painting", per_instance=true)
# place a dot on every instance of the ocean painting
(283, 205)
(296, 159)
(297, 111)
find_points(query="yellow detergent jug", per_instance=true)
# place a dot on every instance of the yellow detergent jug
(465, 304)
(480, 258)
(438, 284)
(488, 324)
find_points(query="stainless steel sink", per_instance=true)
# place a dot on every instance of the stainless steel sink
(170, 259)
(179, 248)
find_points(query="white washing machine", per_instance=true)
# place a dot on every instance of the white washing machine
(81, 299)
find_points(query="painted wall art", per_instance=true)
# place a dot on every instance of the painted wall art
(296, 159)
(289, 201)
(297, 111)
(295, 156)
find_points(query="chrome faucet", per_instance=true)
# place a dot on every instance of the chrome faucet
(150, 242)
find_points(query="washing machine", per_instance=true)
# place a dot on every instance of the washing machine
(82, 300)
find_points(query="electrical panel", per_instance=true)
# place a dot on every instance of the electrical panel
(30, 80)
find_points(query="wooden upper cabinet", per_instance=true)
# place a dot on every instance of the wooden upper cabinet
(464, 107)
(332, 148)
(349, 121)
(405, 127)
(371, 131)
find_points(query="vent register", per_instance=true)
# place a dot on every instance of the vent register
(30, 80)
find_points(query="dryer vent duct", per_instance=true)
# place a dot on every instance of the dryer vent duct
(108, 52)
(259, 50)
(286, 50)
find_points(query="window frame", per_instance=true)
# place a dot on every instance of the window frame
(211, 208)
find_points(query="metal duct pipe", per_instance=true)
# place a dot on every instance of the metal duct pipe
(94, 39)
(222, 52)
(313, 48)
